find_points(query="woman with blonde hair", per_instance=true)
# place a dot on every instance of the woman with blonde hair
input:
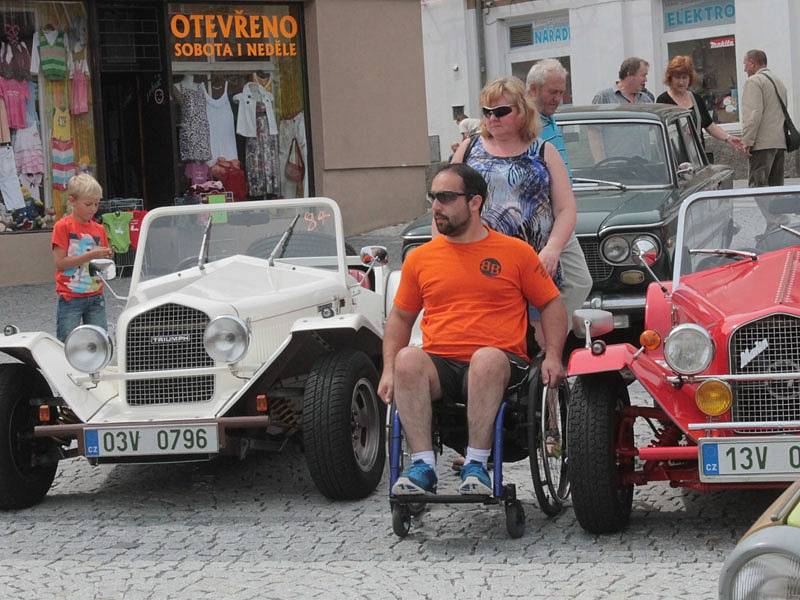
(530, 196)
(679, 77)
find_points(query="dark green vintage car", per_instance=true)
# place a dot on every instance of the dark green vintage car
(632, 166)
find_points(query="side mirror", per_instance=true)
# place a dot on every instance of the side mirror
(591, 322)
(105, 267)
(374, 256)
(685, 171)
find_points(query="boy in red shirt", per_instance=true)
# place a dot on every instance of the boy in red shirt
(77, 240)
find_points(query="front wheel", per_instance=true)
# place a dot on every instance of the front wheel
(343, 425)
(27, 466)
(601, 499)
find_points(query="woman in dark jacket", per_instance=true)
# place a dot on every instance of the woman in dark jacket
(679, 77)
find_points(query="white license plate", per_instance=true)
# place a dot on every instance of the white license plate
(746, 459)
(150, 440)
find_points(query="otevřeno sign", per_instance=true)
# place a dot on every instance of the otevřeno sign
(233, 35)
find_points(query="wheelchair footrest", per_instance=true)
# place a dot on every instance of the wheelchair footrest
(446, 499)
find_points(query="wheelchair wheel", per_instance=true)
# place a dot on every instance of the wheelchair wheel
(547, 445)
(401, 520)
(515, 519)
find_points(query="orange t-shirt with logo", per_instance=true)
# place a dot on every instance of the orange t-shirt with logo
(474, 294)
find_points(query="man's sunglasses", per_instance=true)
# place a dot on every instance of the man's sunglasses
(445, 197)
(497, 111)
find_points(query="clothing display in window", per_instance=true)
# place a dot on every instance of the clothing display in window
(135, 227)
(15, 57)
(230, 174)
(28, 150)
(251, 96)
(50, 54)
(79, 88)
(15, 96)
(118, 229)
(196, 172)
(31, 118)
(62, 149)
(5, 131)
(193, 132)
(221, 127)
(9, 181)
(33, 181)
(261, 161)
(294, 128)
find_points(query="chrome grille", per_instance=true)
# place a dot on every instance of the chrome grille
(767, 400)
(598, 268)
(164, 338)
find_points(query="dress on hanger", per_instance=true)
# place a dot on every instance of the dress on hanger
(193, 132)
(79, 88)
(63, 153)
(257, 123)
(221, 127)
(50, 54)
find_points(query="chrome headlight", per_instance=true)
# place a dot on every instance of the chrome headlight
(646, 246)
(688, 349)
(615, 249)
(767, 576)
(88, 348)
(226, 339)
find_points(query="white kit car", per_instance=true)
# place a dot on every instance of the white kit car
(247, 326)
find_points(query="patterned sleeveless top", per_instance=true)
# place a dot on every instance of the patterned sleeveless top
(518, 202)
(53, 56)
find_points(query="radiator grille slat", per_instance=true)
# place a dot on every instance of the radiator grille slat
(598, 268)
(769, 345)
(165, 338)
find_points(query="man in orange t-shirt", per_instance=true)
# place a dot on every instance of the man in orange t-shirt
(474, 285)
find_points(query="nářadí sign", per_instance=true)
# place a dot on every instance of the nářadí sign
(233, 35)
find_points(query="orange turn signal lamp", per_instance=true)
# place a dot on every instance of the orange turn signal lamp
(650, 339)
(262, 405)
(44, 413)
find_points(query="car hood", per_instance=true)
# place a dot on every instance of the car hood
(597, 210)
(601, 209)
(740, 291)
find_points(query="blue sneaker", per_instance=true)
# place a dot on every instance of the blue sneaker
(475, 479)
(418, 478)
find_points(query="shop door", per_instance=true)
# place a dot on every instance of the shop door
(138, 147)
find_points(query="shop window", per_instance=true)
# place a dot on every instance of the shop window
(520, 70)
(46, 124)
(238, 86)
(715, 62)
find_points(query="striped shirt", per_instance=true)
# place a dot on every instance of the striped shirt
(613, 95)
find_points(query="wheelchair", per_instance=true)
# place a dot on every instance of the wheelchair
(530, 423)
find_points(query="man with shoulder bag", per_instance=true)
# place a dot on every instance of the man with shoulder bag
(767, 130)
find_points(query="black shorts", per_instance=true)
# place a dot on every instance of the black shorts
(452, 373)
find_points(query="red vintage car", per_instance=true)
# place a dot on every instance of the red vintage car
(720, 356)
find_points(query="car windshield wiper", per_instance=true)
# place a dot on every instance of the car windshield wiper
(279, 248)
(615, 184)
(726, 252)
(790, 230)
(202, 258)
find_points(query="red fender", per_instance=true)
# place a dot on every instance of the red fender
(615, 358)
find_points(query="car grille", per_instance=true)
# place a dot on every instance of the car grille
(767, 400)
(164, 338)
(598, 268)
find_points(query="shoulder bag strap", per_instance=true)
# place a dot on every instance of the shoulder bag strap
(472, 141)
(783, 106)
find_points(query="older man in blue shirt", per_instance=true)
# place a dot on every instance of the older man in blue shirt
(547, 83)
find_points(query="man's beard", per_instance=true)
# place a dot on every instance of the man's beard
(446, 226)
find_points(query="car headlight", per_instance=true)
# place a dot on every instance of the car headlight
(88, 348)
(767, 576)
(615, 249)
(226, 339)
(688, 349)
(646, 246)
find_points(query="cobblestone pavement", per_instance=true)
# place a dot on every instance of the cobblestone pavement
(259, 529)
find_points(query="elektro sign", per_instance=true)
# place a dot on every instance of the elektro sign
(236, 35)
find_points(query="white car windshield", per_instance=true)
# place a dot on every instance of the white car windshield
(631, 154)
(277, 231)
(718, 230)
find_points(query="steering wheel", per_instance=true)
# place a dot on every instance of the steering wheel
(622, 161)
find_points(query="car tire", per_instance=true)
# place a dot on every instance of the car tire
(22, 484)
(344, 426)
(601, 503)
